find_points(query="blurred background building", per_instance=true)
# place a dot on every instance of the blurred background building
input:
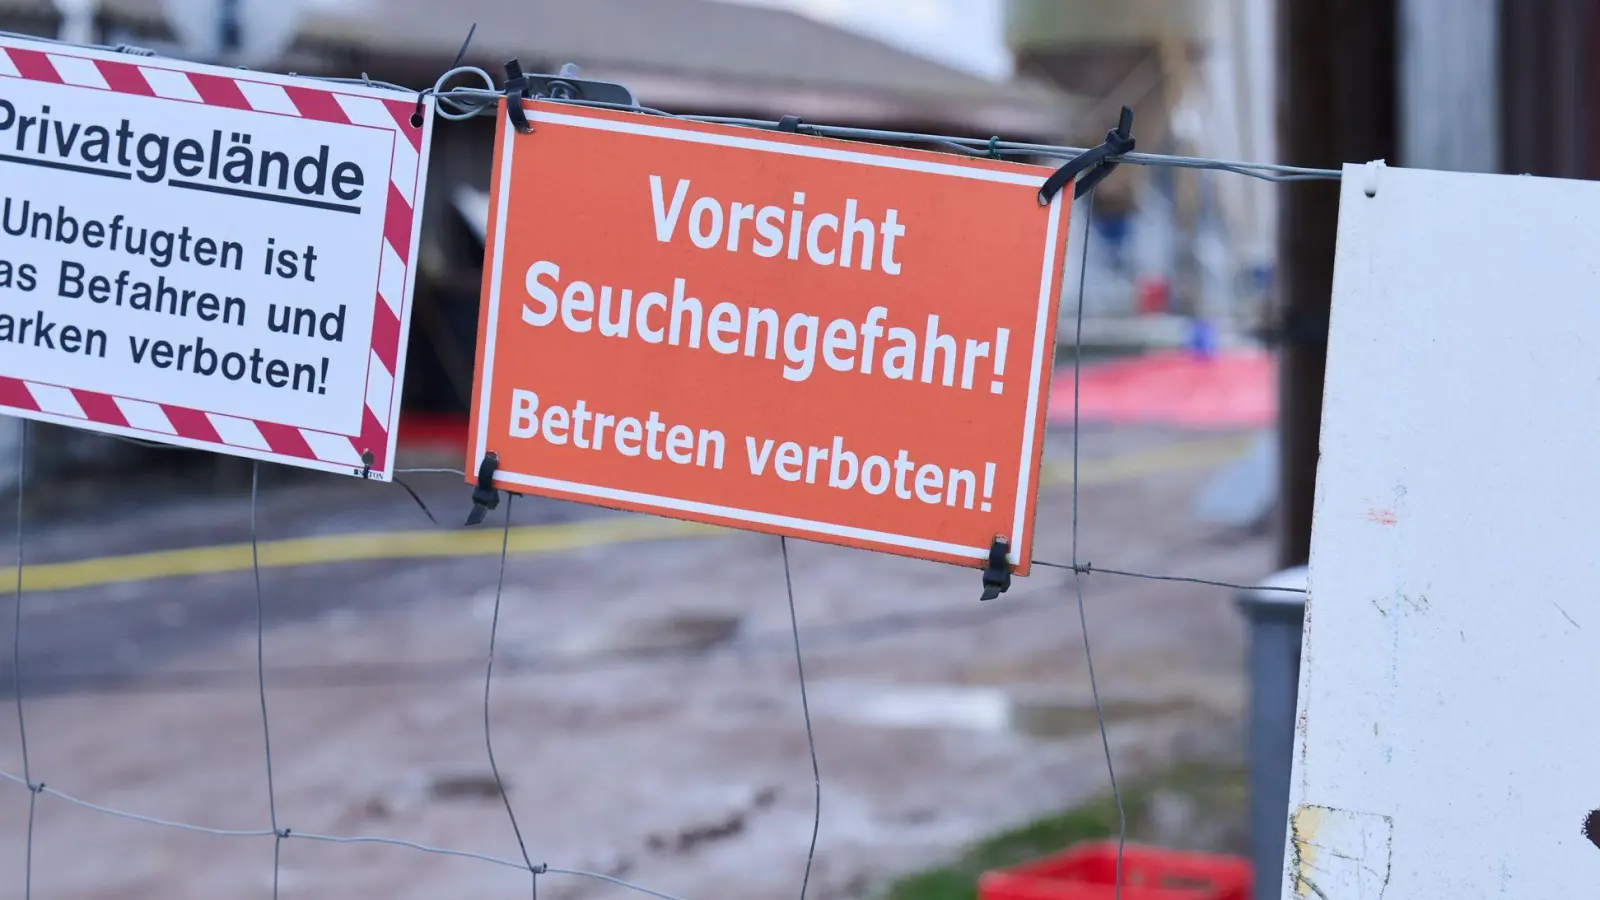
(1478, 84)
(1170, 245)
(683, 56)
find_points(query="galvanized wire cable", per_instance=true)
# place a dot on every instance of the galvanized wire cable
(16, 631)
(27, 866)
(152, 820)
(398, 673)
(485, 102)
(1089, 569)
(466, 102)
(16, 668)
(848, 633)
(324, 838)
(261, 674)
(887, 625)
(410, 845)
(133, 817)
(1077, 368)
(610, 879)
(488, 681)
(1077, 576)
(805, 708)
(455, 68)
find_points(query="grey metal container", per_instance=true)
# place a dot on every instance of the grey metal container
(1276, 618)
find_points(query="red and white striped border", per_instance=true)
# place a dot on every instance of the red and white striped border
(273, 95)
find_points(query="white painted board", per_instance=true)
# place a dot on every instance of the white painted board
(1447, 724)
(207, 257)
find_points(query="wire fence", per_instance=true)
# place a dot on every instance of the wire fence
(465, 102)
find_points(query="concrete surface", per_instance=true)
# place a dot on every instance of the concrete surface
(645, 707)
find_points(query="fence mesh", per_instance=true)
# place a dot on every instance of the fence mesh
(465, 102)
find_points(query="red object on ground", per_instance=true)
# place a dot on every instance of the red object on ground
(433, 431)
(1152, 294)
(1231, 389)
(1088, 872)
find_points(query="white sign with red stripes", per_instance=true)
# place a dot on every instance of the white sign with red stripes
(207, 257)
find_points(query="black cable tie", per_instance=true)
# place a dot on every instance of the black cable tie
(1094, 164)
(516, 89)
(416, 114)
(790, 124)
(997, 577)
(366, 464)
(484, 496)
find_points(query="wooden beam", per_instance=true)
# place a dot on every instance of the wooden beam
(1336, 104)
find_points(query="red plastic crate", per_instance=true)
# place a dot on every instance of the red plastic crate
(1088, 872)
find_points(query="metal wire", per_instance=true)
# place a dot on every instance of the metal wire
(324, 838)
(27, 869)
(410, 845)
(16, 667)
(805, 708)
(465, 102)
(460, 110)
(852, 632)
(261, 673)
(488, 680)
(455, 68)
(612, 880)
(16, 632)
(880, 626)
(358, 674)
(1077, 576)
(1088, 569)
(486, 102)
(132, 817)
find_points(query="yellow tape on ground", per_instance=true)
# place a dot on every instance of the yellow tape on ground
(395, 545)
(1171, 458)
(526, 539)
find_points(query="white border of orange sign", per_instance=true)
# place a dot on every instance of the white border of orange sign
(1038, 387)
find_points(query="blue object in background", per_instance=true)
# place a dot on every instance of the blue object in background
(1114, 231)
(1202, 338)
(1261, 276)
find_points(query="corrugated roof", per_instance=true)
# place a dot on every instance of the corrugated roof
(682, 53)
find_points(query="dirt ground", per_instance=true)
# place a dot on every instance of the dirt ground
(646, 712)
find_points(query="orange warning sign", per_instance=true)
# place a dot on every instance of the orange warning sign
(816, 338)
